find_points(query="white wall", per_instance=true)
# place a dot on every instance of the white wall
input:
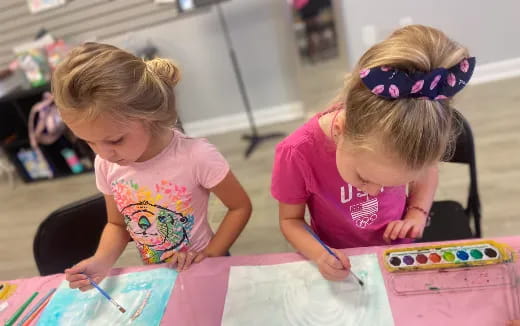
(209, 90)
(488, 28)
(209, 99)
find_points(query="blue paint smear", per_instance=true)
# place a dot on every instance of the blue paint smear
(73, 307)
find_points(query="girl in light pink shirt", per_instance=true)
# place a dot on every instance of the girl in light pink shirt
(156, 181)
(367, 167)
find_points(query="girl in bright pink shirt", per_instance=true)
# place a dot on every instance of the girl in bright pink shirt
(367, 167)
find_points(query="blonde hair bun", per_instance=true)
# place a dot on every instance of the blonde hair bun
(99, 78)
(165, 69)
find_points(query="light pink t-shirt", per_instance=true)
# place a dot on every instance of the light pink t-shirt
(164, 200)
(341, 215)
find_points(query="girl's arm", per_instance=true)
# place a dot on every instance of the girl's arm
(112, 243)
(420, 197)
(292, 224)
(231, 194)
(422, 191)
(115, 237)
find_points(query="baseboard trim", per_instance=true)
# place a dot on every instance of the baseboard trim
(495, 71)
(238, 121)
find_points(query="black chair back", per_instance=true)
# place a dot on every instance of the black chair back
(69, 235)
(448, 219)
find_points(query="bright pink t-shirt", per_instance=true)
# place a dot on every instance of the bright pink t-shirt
(341, 215)
(164, 200)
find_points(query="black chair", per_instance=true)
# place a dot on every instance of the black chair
(448, 219)
(69, 235)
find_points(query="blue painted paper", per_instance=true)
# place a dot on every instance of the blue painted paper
(73, 307)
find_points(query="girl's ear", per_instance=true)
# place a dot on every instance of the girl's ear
(149, 126)
(338, 127)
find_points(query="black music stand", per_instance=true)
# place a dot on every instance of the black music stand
(254, 137)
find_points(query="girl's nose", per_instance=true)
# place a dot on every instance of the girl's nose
(105, 152)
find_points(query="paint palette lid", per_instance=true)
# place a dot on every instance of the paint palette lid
(487, 295)
(455, 279)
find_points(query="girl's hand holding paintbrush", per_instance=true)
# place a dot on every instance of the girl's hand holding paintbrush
(114, 240)
(96, 268)
(332, 271)
(331, 268)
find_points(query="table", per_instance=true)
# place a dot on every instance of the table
(199, 293)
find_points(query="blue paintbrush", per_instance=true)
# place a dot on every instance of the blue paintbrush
(331, 252)
(106, 295)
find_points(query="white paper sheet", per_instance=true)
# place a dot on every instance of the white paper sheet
(297, 294)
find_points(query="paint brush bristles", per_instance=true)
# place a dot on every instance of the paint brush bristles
(331, 252)
(94, 284)
(123, 310)
(357, 278)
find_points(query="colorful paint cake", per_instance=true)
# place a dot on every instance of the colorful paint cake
(446, 256)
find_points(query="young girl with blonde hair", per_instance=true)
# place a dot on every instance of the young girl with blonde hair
(156, 181)
(367, 167)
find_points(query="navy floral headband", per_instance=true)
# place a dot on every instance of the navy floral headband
(439, 84)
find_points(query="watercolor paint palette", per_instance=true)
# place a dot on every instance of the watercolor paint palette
(464, 254)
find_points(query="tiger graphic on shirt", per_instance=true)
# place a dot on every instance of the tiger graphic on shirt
(159, 219)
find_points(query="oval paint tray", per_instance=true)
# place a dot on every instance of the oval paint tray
(450, 255)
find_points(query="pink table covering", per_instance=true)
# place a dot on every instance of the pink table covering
(199, 294)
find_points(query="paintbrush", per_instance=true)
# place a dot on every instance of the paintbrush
(106, 295)
(37, 312)
(331, 252)
(36, 307)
